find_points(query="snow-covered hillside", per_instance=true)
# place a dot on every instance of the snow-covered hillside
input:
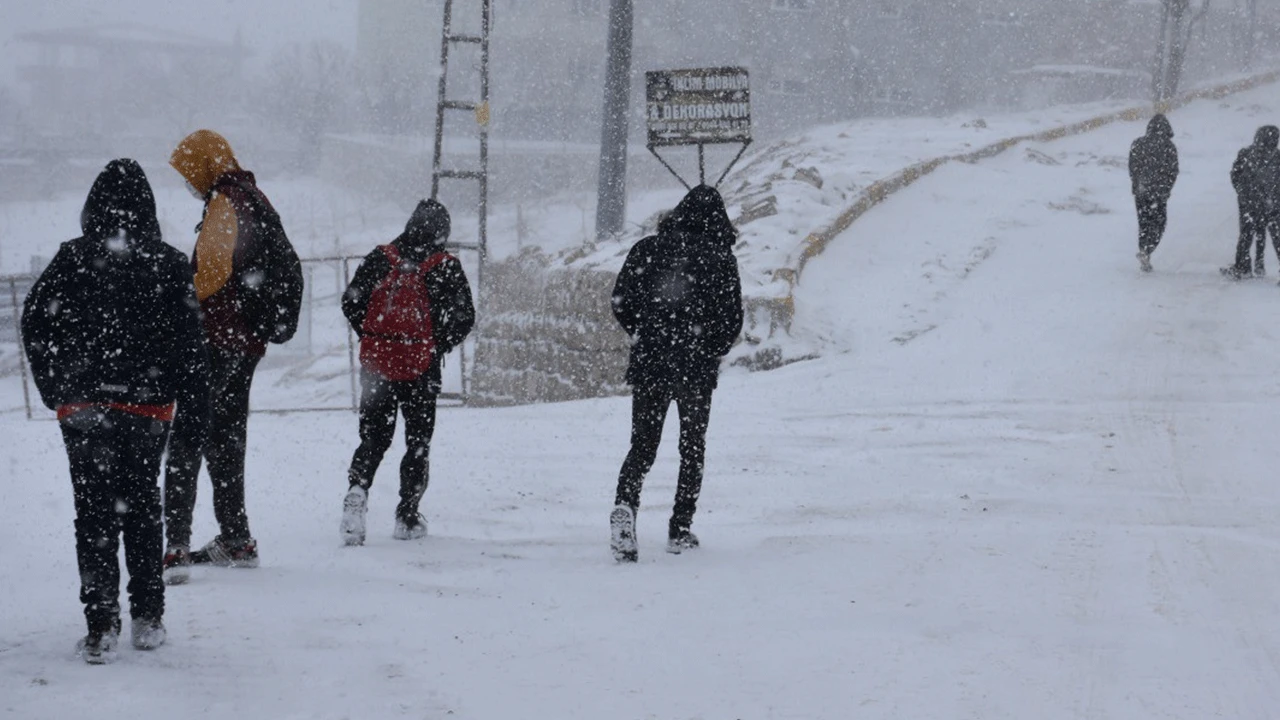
(1023, 480)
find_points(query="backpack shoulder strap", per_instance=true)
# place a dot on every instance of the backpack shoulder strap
(393, 255)
(433, 261)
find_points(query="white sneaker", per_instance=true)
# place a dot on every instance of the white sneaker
(622, 534)
(354, 507)
(410, 528)
(148, 634)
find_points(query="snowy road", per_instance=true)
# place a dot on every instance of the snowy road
(1025, 480)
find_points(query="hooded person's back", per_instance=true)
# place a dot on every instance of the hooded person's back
(113, 316)
(1256, 172)
(452, 310)
(680, 296)
(248, 277)
(425, 232)
(1153, 160)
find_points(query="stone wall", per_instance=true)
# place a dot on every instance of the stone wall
(546, 334)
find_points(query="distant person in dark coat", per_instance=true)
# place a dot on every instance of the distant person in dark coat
(113, 335)
(1255, 175)
(679, 297)
(400, 366)
(1153, 169)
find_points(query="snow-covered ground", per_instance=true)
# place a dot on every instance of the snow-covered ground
(1023, 480)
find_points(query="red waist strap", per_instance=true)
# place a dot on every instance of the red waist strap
(163, 413)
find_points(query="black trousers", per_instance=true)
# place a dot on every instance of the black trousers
(1153, 215)
(230, 378)
(379, 400)
(1255, 223)
(115, 465)
(649, 406)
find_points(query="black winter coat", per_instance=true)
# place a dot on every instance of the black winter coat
(1256, 172)
(114, 318)
(1153, 161)
(452, 312)
(679, 296)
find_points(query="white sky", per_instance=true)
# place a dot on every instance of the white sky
(265, 24)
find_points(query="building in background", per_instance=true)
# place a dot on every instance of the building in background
(87, 94)
(75, 80)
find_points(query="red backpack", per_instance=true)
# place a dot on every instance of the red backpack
(396, 338)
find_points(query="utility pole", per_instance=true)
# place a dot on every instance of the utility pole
(611, 203)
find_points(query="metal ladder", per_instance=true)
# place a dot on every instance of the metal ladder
(480, 109)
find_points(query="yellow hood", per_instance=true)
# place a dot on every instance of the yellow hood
(202, 157)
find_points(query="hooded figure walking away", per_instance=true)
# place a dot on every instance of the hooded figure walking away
(113, 335)
(1255, 175)
(1153, 169)
(410, 304)
(679, 297)
(249, 283)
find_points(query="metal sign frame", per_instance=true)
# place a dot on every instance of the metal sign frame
(698, 106)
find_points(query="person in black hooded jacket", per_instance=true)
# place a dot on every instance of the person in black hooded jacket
(112, 331)
(1255, 175)
(419, 249)
(1153, 169)
(679, 297)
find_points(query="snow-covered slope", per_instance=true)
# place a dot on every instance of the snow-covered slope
(1024, 480)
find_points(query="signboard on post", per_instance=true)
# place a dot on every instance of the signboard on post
(698, 106)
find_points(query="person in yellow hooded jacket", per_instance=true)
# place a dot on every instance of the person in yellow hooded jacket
(248, 282)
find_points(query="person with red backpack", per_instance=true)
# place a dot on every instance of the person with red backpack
(410, 304)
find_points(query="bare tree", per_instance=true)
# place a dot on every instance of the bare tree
(1247, 11)
(305, 88)
(1171, 50)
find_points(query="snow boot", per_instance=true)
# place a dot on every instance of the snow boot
(148, 633)
(1144, 260)
(177, 565)
(680, 541)
(1234, 273)
(354, 507)
(99, 646)
(622, 534)
(1259, 269)
(410, 527)
(227, 553)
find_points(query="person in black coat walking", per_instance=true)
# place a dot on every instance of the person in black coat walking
(419, 250)
(1153, 169)
(1255, 175)
(112, 331)
(679, 297)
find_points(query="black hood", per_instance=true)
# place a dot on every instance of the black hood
(428, 227)
(701, 213)
(1159, 126)
(121, 201)
(1267, 137)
